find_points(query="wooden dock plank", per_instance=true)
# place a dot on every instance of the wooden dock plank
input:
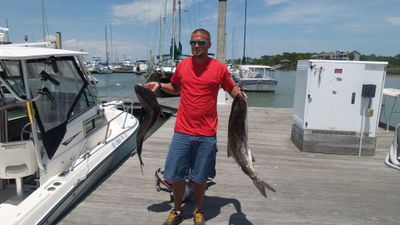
(312, 188)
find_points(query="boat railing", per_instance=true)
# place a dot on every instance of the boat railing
(83, 145)
(124, 110)
(85, 154)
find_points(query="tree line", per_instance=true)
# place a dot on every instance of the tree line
(288, 60)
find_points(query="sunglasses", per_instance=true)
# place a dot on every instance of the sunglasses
(200, 43)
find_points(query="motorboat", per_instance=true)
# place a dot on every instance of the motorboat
(259, 78)
(142, 66)
(56, 141)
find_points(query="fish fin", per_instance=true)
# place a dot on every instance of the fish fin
(141, 116)
(228, 153)
(250, 155)
(261, 185)
(269, 187)
(163, 114)
(141, 163)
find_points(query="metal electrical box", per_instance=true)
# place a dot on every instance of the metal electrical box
(335, 104)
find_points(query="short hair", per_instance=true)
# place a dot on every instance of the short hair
(204, 31)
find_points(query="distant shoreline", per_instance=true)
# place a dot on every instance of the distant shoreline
(393, 70)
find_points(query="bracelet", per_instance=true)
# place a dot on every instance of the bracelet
(159, 85)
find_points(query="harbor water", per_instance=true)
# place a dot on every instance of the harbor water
(121, 85)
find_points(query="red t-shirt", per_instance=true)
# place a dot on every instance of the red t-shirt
(199, 83)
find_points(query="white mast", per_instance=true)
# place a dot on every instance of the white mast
(111, 45)
(179, 19)
(163, 22)
(173, 31)
(106, 41)
(244, 33)
(44, 23)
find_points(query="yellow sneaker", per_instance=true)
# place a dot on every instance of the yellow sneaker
(174, 218)
(198, 218)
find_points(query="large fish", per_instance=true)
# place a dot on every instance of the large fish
(148, 116)
(238, 142)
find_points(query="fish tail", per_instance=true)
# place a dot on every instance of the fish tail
(141, 169)
(269, 187)
(141, 163)
(261, 185)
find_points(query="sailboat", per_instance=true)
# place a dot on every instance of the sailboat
(106, 68)
(167, 62)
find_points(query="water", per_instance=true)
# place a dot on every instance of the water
(283, 95)
(121, 84)
(117, 84)
(392, 81)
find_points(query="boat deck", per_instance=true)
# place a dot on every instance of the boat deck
(312, 188)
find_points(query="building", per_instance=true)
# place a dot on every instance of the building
(338, 55)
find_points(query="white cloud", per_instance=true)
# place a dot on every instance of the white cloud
(91, 47)
(275, 2)
(97, 48)
(144, 11)
(137, 11)
(395, 21)
(304, 13)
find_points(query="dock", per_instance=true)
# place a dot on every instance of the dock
(312, 188)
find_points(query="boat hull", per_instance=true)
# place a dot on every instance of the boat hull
(258, 85)
(53, 199)
(95, 178)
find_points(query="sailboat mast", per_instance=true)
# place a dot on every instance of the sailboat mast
(8, 37)
(173, 31)
(44, 23)
(162, 28)
(106, 40)
(111, 45)
(179, 19)
(233, 46)
(244, 33)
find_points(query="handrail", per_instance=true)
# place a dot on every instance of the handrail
(13, 105)
(79, 154)
(105, 138)
(123, 111)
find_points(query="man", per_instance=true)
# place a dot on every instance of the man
(193, 148)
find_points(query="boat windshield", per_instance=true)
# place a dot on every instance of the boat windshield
(62, 89)
(257, 72)
(57, 107)
(10, 71)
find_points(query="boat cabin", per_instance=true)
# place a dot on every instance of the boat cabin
(49, 90)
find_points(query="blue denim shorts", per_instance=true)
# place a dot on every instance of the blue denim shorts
(191, 157)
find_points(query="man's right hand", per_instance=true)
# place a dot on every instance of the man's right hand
(153, 86)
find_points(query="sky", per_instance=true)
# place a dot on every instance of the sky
(135, 27)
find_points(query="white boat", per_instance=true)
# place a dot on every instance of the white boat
(56, 142)
(93, 65)
(142, 66)
(105, 69)
(256, 78)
